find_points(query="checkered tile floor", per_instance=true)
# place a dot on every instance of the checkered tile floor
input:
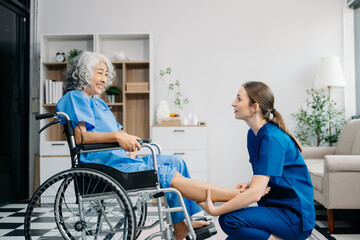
(12, 221)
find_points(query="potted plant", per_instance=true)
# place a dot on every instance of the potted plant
(73, 53)
(112, 92)
(174, 86)
(320, 122)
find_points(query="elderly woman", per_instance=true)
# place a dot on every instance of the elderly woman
(87, 75)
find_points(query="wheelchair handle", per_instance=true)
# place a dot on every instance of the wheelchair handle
(50, 115)
(44, 115)
(56, 120)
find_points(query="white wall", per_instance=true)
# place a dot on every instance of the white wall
(215, 46)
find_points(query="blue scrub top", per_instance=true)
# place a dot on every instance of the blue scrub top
(98, 118)
(273, 153)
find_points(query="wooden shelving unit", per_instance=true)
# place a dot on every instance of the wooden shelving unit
(132, 107)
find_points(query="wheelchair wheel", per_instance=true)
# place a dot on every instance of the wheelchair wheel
(141, 215)
(80, 204)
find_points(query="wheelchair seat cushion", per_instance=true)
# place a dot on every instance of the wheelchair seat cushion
(129, 181)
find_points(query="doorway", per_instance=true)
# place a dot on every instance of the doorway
(14, 100)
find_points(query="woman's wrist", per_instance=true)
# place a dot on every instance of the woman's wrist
(216, 211)
(118, 136)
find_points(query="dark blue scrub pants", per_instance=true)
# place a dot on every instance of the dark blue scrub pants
(259, 222)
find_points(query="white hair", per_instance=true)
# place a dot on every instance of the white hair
(80, 70)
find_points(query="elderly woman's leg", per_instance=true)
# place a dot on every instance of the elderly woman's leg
(173, 172)
(196, 190)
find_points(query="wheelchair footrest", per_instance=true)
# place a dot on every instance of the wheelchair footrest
(205, 231)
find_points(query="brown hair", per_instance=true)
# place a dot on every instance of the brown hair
(261, 94)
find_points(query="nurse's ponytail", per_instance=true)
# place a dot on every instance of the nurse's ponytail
(261, 93)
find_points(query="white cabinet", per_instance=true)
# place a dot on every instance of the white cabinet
(54, 148)
(188, 142)
(52, 161)
(50, 165)
(54, 157)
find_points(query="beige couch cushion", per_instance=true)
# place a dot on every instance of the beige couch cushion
(316, 171)
(347, 138)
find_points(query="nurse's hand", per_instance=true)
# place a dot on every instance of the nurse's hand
(128, 142)
(267, 190)
(242, 186)
(208, 205)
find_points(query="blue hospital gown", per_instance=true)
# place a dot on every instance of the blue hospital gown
(98, 118)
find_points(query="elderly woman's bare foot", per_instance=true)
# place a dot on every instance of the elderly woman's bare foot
(181, 230)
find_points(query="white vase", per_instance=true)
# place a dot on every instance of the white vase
(120, 56)
(162, 111)
(112, 98)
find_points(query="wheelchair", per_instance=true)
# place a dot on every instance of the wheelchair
(95, 201)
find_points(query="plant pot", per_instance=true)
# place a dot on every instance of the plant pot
(111, 98)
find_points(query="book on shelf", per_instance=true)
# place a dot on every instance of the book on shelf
(53, 91)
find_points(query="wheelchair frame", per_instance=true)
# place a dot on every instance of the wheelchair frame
(144, 193)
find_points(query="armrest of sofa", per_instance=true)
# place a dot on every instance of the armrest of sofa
(342, 163)
(317, 152)
(341, 182)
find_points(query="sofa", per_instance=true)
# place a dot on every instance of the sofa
(335, 172)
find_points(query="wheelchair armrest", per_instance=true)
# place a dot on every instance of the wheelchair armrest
(146, 140)
(98, 146)
(108, 146)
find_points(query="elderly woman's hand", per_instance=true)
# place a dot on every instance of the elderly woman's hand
(133, 154)
(128, 142)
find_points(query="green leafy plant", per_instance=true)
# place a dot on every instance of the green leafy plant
(174, 86)
(73, 53)
(113, 90)
(313, 122)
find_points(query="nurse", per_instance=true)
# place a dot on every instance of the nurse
(93, 122)
(287, 212)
